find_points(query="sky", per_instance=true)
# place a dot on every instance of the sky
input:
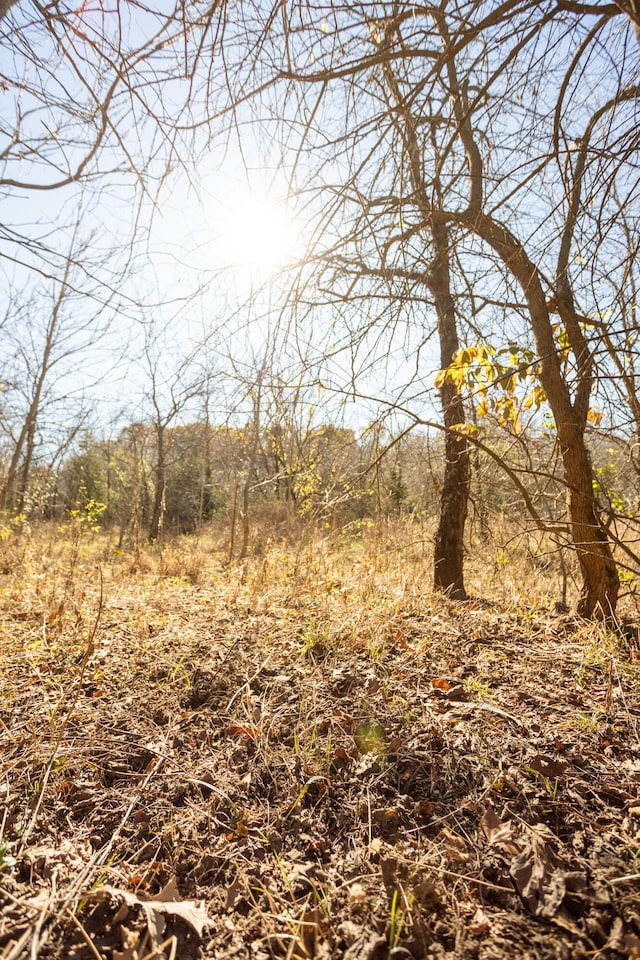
(176, 286)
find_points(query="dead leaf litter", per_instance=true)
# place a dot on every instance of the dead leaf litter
(235, 773)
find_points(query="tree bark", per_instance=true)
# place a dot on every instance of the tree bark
(251, 467)
(600, 582)
(14, 490)
(448, 561)
(159, 497)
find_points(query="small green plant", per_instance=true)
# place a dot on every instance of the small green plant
(59, 765)
(83, 521)
(375, 649)
(478, 688)
(315, 635)
(591, 722)
(86, 518)
(6, 860)
(396, 922)
(603, 484)
(370, 737)
(552, 787)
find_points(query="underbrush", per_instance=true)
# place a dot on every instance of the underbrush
(308, 754)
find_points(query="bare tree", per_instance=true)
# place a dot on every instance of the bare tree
(173, 383)
(516, 204)
(45, 344)
(428, 201)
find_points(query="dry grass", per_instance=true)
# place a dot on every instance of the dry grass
(308, 744)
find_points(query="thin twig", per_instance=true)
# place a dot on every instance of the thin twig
(83, 933)
(488, 708)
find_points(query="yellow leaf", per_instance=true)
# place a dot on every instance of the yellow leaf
(467, 429)
(594, 416)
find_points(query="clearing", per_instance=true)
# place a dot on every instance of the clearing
(308, 755)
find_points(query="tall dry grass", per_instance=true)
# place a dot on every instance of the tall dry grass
(46, 568)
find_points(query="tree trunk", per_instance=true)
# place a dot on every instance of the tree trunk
(8, 494)
(600, 582)
(454, 496)
(13, 493)
(448, 561)
(251, 467)
(159, 497)
(205, 505)
(25, 470)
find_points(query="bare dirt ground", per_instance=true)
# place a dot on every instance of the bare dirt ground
(305, 757)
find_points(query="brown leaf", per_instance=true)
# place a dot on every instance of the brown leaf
(241, 730)
(631, 944)
(130, 944)
(456, 846)
(234, 892)
(539, 875)
(479, 923)
(628, 944)
(314, 926)
(367, 946)
(498, 832)
(547, 766)
(165, 903)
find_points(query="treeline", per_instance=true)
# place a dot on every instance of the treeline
(325, 474)
(206, 472)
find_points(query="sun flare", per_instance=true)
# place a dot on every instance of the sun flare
(258, 235)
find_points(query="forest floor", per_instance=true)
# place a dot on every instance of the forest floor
(308, 756)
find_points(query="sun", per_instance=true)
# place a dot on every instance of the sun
(257, 234)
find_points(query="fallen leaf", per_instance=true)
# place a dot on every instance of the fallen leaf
(130, 944)
(137, 880)
(456, 846)
(165, 903)
(375, 847)
(356, 893)
(479, 923)
(541, 877)
(631, 944)
(314, 926)
(498, 832)
(234, 892)
(367, 946)
(246, 731)
(547, 766)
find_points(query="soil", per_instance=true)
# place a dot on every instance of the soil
(239, 767)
